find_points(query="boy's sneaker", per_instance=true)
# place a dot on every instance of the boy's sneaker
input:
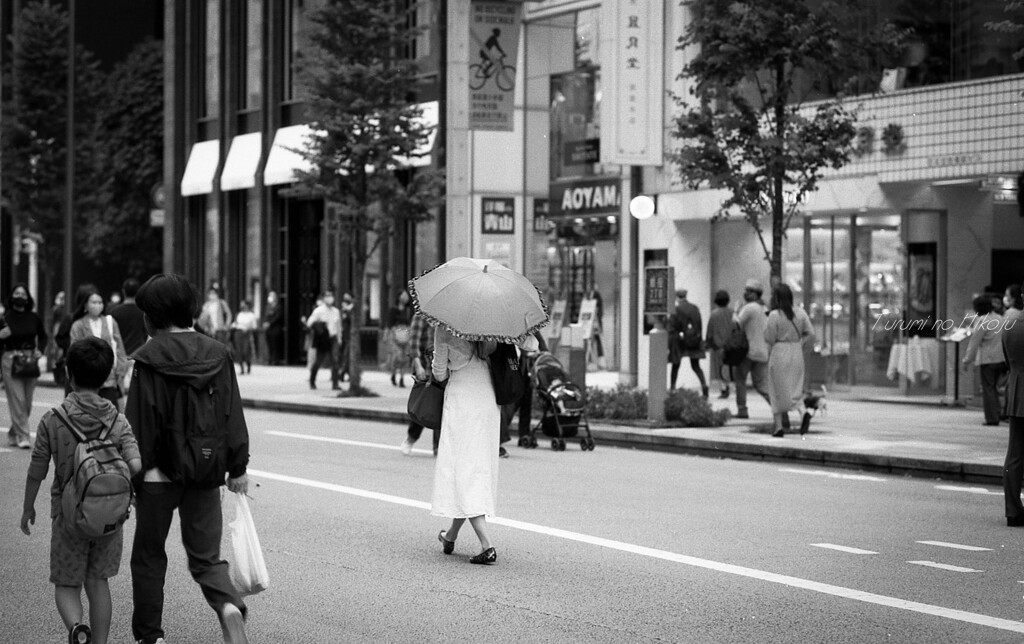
(407, 447)
(80, 634)
(158, 640)
(233, 625)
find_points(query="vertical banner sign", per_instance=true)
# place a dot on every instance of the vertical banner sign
(632, 121)
(493, 46)
(498, 215)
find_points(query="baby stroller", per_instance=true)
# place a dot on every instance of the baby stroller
(564, 405)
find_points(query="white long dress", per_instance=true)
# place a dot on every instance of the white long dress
(466, 470)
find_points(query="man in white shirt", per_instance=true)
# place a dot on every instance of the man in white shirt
(324, 324)
(753, 318)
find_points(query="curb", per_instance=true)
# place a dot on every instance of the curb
(708, 447)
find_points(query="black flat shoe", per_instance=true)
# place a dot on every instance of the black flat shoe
(449, 546)
(488, 556)
(1015, 522)
(80, 634)
(779, 433)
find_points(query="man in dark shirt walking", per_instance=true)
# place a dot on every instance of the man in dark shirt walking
(133, 330)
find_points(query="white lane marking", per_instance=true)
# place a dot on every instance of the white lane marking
(832, 475)
(785, 580)
(343, 441)
(945, 544)
(942, 566)
(853, 551)
(972, 490)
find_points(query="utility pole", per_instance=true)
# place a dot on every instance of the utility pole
(69, 199)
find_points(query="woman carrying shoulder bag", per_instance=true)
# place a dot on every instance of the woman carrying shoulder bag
(22, 338)
(89, 322)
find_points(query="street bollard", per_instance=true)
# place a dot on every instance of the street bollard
(657, 384)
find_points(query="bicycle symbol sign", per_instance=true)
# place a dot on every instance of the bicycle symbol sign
(504, 75)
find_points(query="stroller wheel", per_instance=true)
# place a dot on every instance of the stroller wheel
(524, 441)
(561, 445)
(533, 442)
(554, 444)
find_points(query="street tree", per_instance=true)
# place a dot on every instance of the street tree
(1012, 23)
(359, 82)
(34, 130)
(115, 223)
(750, 126)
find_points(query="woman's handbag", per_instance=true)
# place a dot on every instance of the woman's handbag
(25, 364)
(426, 400)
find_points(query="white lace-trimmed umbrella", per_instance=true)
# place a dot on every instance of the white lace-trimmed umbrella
(479, 299)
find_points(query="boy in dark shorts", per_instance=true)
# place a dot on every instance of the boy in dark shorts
(75, 561)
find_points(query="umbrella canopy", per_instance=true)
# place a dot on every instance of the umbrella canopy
(479, 299)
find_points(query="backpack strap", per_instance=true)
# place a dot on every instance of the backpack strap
(62, 414)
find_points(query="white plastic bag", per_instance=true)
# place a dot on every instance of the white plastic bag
(246, 566)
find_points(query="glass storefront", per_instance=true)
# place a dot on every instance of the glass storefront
(850, 274)
(580, 247)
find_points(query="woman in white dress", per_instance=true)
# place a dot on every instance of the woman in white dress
(466, 470)
(787, 330)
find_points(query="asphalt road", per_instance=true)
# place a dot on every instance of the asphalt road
(612, 545)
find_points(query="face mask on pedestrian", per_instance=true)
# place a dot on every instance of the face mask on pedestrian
(19, 302)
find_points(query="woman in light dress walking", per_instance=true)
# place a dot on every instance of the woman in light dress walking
(466, 471)
(787, 330)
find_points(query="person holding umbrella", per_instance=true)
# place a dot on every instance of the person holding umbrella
(474, 304)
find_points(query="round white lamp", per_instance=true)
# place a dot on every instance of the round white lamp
(641, 207)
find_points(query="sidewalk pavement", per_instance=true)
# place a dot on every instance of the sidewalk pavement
(917, 438)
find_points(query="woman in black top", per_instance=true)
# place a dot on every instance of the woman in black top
(24, 332)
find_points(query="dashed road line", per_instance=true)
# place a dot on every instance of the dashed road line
(853, 551)
(942, 566)
(833, 475)
(731, 569)
(971, 490)
(958, 546)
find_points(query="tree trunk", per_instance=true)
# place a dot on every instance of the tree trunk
(355, 371)
(778, 169)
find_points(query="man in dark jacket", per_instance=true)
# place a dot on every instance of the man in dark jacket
(186, 412)
(684, 339)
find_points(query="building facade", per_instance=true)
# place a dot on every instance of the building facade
(235, 113)
(923, 217)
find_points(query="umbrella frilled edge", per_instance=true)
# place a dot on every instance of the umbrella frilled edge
(435, 322)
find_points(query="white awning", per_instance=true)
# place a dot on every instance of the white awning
(283, 161)
(201, 168)
(243, 159)
(429, 118)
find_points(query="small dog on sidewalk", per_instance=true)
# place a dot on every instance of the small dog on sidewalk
(813, 403)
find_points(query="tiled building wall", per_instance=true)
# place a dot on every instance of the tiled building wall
(949, 131)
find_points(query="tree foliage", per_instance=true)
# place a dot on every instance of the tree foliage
(34, 128)
(359, 86)
(1013, 23)
(748, 128)
(128, 165)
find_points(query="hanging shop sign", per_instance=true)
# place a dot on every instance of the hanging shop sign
(498, 215)
(582, 152)
(554, 330)
(586, 197)
(494, 44)
(631, 120)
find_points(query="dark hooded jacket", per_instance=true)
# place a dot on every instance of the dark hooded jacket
(166, 363)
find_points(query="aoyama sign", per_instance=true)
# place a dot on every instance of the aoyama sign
(600, 196)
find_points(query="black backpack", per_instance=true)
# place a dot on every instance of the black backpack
(736, 346)
(198, 450)
(506, 374)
